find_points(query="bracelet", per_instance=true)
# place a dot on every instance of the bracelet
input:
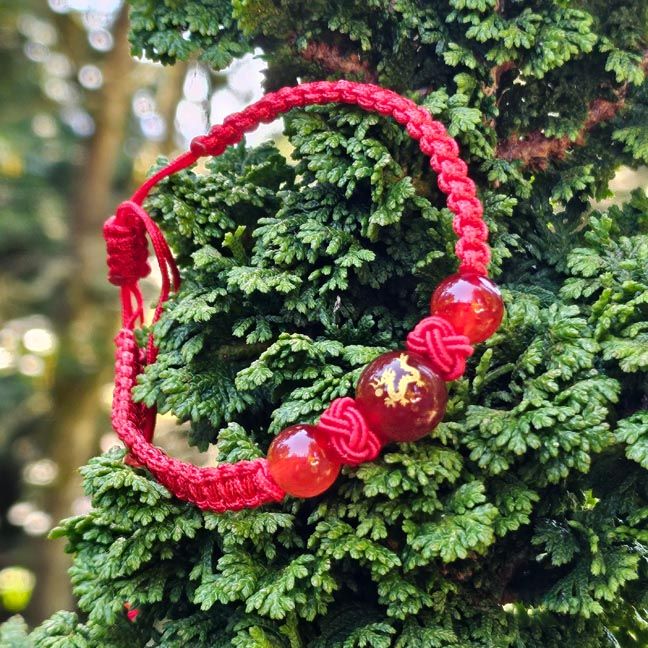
(400, 396)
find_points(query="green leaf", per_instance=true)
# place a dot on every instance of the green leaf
(633, 432)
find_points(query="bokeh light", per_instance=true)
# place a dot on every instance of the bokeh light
(38, 30)
(101, 40)
(93, 20)
(80, 5)
(143, 103)
(153, 127)
(79, 120)
(39, 340)
(18, 513)
(196, 84)
(36, 52)
(61, 91)
(191, 119)
(31, 365)
(106, 6)
(81, 505)
(59, 6)
(41, 472)
(6, 359)
(37, 523)
(245, 76)
(90, 77)
(44, 125)
(58, 65)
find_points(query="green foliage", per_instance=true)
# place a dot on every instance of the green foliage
(63, 630)
(633, 431)
(13, 633)
(171, 30)
(611, 273)
(522, 520)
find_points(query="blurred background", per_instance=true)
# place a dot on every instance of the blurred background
(80, 123)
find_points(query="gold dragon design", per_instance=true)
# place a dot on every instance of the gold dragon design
(396, 391)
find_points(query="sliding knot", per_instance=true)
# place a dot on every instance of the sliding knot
(435, 338)
(199, 145)
(127, 248)
(347, 435)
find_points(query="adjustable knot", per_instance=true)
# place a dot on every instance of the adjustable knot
(127, 248)
(348, 436)
(435, 338)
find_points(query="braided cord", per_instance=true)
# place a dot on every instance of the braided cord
(247, 484)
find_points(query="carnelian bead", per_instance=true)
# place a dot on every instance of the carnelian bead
(401, 396)
(299, 464)
(472, 303)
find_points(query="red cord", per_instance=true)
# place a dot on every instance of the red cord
(248, 484)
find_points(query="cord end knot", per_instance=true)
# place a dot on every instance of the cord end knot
(127, 247)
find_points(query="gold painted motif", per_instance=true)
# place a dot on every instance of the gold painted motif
(396, 390)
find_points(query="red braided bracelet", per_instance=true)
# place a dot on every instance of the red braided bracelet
(400, 396)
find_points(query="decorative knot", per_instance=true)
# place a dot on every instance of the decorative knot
(436, 338)
(348, 435)
(125, 235)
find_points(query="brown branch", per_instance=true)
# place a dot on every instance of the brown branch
(332, 58)
(535, 150)
(241, 351)
(492, 88)
(495, 75)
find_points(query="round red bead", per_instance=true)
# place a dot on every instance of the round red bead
(472, 303)
(299, 464)
(401, 396)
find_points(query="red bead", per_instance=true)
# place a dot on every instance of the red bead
(401, 396)
(299, 464)
(472, 303)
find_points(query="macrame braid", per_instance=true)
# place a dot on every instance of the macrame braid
(248, 484)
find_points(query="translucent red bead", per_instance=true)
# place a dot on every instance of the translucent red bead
(299, 464)
(472, 303)
(401, 396)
